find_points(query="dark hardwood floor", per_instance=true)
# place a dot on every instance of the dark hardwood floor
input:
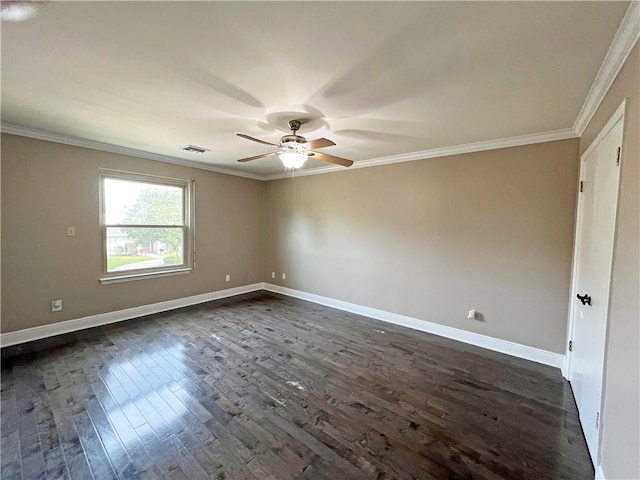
(264, 386)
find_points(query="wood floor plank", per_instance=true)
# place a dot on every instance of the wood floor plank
(112, 444)
(265, 386)
(97, 458)
(55, 465)
(10, 459)
(32, 459)
(75, 458)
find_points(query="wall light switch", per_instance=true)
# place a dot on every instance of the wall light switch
(227, 278)
(71, 231)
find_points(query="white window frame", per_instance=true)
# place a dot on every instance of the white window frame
(188, 189)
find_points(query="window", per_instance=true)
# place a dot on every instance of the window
(145, 226)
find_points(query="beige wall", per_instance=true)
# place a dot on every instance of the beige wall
(47, 186)
(621, 416)
(431, 239)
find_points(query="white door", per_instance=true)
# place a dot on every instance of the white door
(597, 208)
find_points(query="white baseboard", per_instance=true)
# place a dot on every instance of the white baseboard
(503, 346)
(600, 473)
(565, 367)
(44, 331)
(495, 344)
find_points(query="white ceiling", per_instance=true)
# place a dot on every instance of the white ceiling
(377, 78)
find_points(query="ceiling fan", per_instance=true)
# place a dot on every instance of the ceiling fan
(294, 150)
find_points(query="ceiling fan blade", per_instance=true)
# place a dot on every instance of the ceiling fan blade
(319, 143)
(255, 139)
(331, 159)
(264, 155)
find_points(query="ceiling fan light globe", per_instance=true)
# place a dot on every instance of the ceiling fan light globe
(293, 160)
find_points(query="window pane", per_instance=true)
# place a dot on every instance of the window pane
(136, 248)
(139, 203)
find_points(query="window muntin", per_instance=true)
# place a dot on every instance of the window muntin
(145, 224)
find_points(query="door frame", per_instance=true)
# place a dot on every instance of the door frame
(619, 115)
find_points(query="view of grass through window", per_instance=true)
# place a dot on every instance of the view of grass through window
(144, 225)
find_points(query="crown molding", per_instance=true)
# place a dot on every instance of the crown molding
(373, 162)
(622, 44)
(518, 141)
(107, 147)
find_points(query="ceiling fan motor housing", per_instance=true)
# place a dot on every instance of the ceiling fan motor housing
(292, 138)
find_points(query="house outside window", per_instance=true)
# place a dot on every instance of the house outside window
(146, 226)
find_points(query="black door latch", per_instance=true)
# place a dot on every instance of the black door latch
(585, 299)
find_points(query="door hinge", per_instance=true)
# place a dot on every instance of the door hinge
(571, 345)
(581, 186)
(597, 420)
(618, 157)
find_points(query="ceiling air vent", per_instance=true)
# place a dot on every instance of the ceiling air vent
(194, 149)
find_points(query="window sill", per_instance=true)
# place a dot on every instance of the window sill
(143, 276)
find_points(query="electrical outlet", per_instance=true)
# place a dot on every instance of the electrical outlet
(227, 278)
(472, 315)
(56, 305)
(284, 276)
(273, 274)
